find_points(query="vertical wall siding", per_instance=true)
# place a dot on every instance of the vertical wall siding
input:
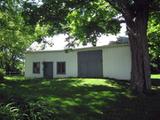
(116, 62)
(70, 59)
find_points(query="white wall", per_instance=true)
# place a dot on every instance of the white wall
(117, 62)
(70, 59)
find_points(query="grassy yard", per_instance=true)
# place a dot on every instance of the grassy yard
(155, 76)
(80, 99)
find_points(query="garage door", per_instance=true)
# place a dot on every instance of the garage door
(90, 64)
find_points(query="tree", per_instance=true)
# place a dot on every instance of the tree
(86, 24)
(136, 13)
(15, 35)
(92, 17)
(154, 41)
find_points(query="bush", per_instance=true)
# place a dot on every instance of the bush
(36, 111)
(2, 73)
(39, 111)
(26, 111)
(9, 112)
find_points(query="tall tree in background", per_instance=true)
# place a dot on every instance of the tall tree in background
(154, 41)
(15, 35)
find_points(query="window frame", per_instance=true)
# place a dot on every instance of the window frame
(62, 70)
(36, 70)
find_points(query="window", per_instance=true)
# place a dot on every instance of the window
(61, 67)
(36, 67)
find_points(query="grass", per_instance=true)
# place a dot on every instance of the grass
(155, 76)
(82, 98)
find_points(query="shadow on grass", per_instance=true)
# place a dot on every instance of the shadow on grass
(82, 99)
(156, 81)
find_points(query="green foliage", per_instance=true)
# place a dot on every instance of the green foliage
(154, 36)
(154, 40)
(20, 66)
(39, 111)
(33, 111)
(2, 73)
(83, 20)
(50, 13)
(9, 112)
(41, 30)
(15, 34)
(92, 20)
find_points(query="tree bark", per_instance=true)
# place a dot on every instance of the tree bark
(137, 32)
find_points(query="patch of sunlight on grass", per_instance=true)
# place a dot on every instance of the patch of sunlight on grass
(46, 83)
(2, 85)
(95, 106)
(93, 81)
(25, 86)
(64, 102)
(50, 99)
(100, 99)
(155, 76)
(104, 82)
(155, 87)
(128, 94)
(99, 95)
(14, 78)
(69, 102)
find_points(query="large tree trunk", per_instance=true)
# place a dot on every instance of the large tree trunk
(137, 31)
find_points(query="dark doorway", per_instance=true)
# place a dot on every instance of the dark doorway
(48, 70)
(90, 63)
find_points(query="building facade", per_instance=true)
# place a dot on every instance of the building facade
(112, 61)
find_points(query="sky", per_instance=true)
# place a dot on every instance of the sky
(58, 41)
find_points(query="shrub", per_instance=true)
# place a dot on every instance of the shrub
(39, 111)
(19, 109)
(2, 73)
(9, 112)
(35, 111)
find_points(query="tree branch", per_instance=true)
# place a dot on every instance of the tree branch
(114, 4)
(123, 6)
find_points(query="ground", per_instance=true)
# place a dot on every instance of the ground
(80, 99)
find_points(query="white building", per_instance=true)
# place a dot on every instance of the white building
(112, 61)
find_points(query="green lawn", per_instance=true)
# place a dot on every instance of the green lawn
(79, 99)
(155, 76)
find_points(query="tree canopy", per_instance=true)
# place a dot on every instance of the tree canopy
(154, 41)
(84, 20)
(15, 35)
